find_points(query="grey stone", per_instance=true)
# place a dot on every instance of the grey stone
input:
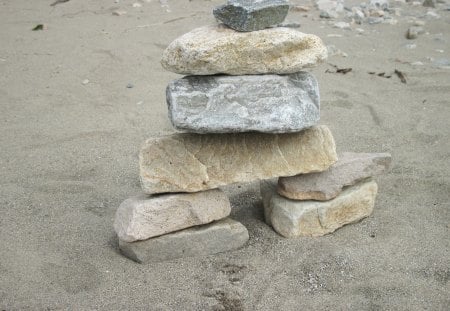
(348, 170)
(247, 15)
(193, 162)
(224, 235)
(429, 3)
(262, 103)
(316, 218)
(414, 31)
(142, 217)
(218, 49)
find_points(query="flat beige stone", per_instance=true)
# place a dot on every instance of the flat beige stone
(142, 217)
(193, 162)
(315, 218)
(348, 170)
(218, 49)
(221, 236)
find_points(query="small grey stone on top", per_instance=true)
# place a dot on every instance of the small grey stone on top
(217, 237)
(348, 170)
(247, 15)
(262, 103)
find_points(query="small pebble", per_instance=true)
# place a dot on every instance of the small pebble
(417, 64)
(419, 23)
(429, 4)
(413, 32)
(137, 5)
(433, 14)
(119, 12)
(85, 81)
(439, 51)
(130, 86)
(139, 103)
(411, 46)
(341, 25)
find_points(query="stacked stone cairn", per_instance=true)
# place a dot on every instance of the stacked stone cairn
(247, 112)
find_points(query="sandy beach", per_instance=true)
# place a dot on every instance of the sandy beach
(78, 98)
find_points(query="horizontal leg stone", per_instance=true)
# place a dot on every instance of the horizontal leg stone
(142, 217)
(315, 218)
(192, 162)
(217, 237)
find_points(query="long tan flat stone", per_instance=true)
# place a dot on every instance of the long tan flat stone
(348, 170)
(316, 218)
(218, 49)
(142, 217)
(192, 162)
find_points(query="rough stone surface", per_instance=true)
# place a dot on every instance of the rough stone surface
(246, 15)
(314, 218)
(223, 104)
(218, 49)
(142, 217)
(221, 236)
(348, 170)
(192, 162)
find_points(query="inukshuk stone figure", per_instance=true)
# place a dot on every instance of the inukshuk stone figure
(248, 112)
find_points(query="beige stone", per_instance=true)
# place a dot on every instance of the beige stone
(218, 49)
(315, 218)
(348, 170)
(217, 237)
(192, 162)
(142, 217)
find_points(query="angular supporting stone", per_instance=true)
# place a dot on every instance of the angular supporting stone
(314, 218)
(245, 15)
(192, 162)
(348, 170)
(142, 217)
(217, 49)
(262, 103)
(224, 235)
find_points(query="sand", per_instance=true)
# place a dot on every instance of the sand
(68, 158)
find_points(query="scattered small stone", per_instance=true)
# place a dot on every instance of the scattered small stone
(192, 162)
(375, 20)
(292, 218)
(439, 51)
(350, 169)
(139, 102)
(330, 8)
(137, 5)
(39, 27)
(419, 23)
(119, 12)
(300, 8)
(417, 63)
(217, 49)
(379, 4)
(130, 85)
(429, 3)
(262, 103)
(85, 81)
(411, 46)
(142, 217)
(217, 237)
(334, 51)
(433, 14)
(242, 15)
(341, 25)
(442, 63)
(359, 30)
(414, 31)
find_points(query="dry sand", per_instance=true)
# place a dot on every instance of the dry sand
(68, 158)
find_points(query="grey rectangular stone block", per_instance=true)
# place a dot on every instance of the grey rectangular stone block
(262, 103)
